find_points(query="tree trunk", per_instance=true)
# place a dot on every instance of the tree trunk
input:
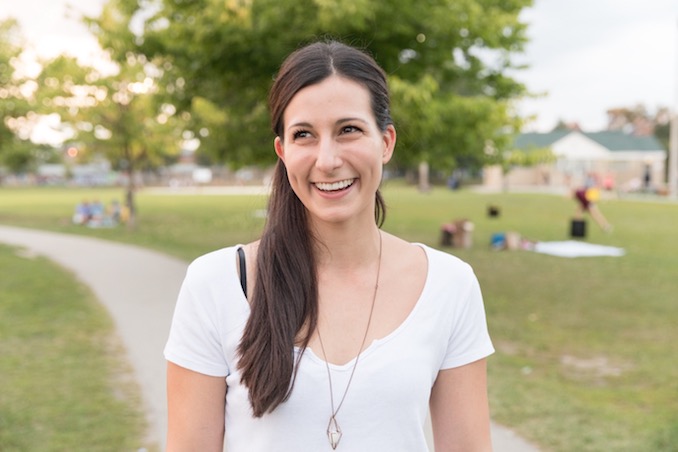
(130, 201)
(424, 184)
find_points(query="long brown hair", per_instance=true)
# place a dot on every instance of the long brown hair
(284, 303)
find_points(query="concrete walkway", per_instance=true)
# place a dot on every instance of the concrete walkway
(139, 289)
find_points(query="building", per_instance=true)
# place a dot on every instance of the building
(618, 160)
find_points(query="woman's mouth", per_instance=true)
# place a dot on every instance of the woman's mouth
(334, 186)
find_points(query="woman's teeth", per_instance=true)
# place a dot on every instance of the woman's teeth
(334, 186)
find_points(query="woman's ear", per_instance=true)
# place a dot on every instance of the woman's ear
(389, 143)
(279, 149)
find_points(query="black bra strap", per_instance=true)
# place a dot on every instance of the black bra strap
(243, 270)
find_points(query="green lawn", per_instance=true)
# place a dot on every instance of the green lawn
(585, 346)
(64, 385)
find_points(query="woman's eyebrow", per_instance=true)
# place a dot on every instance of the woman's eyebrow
(340, 121)
(307, 124)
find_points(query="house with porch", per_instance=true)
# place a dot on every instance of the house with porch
(618, 160)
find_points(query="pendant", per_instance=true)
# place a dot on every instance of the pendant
(333, 432)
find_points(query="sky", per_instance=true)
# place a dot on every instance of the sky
(584, 56)
(587, 56)
(52, 27)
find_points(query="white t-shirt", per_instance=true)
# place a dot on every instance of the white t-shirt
(387, 403)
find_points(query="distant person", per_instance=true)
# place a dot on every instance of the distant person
(82, 213)
(328, 333)
(97, 212)
(586, 198)
(608, 182)
(647, 179)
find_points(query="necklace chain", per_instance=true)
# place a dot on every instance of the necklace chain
(333, 430)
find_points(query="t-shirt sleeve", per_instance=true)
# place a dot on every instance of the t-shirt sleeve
(469, 340)
(194, 341)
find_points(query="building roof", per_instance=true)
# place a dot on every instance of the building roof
(539, 140)
(620, 141)
(611, 140)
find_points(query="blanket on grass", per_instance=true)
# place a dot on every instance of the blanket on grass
(574, 248)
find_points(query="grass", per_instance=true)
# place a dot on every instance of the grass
(584, 346)
(184, 226)
(64, 384)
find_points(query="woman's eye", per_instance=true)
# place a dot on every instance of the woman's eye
(299, 134)
(349, 129)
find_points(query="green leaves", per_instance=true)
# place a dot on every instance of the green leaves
(15, 152)
(447, 61)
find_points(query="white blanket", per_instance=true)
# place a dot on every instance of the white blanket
(574, 248)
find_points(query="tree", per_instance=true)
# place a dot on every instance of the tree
(16, 151)
(637, 120)
(447, 61)
(566, 126)
(117, 115)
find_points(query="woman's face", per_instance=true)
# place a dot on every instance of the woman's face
(333, 150)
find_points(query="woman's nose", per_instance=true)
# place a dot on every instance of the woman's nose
(328, 158)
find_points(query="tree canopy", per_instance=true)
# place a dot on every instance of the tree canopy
(639, 121)
(117, 115)
(448, 63)
(16, 151)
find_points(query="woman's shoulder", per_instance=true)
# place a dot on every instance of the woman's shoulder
(443, 257)
(416, 252)
(215, 264)
(211, 257)
(217, 257)
(212, 264)
(435, 258)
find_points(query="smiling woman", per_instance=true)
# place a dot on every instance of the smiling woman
(334, 151)
(305, 339)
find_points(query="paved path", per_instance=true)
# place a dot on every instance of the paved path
(139, 288)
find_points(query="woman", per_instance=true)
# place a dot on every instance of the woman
(328, 333)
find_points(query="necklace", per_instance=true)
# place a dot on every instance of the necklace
(333, 430)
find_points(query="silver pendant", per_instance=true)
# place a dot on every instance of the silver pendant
(333, 432)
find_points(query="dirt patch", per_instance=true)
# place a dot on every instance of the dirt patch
(596, 368)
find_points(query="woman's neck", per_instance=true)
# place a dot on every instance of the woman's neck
(347, 247)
